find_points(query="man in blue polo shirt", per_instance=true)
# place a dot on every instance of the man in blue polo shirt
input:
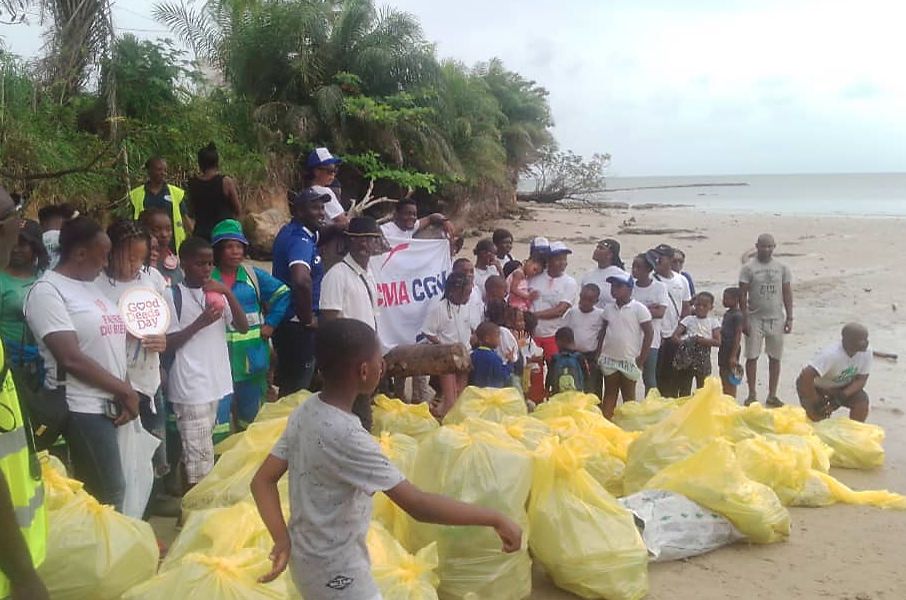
(297, 263)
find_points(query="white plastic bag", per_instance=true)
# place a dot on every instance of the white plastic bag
(137, 447)
(675, 527)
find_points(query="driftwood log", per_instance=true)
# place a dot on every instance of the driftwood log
(427, 359)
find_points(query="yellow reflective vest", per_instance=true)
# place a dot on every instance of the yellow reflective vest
(137, 196)
(22, 471)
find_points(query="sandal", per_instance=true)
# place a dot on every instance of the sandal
(774, 402)
(750, 400)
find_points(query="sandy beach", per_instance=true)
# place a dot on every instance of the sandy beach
(840, 270)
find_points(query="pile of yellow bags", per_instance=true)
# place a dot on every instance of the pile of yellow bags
(93, 552)
(398, 574)
(402, 451)
(490, 404)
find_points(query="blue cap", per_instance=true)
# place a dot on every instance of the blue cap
(320, 157)
(622, 280)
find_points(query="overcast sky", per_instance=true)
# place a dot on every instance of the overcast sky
(687, 87)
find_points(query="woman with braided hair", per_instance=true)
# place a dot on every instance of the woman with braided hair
(129, 267)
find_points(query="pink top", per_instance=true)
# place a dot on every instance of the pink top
(514, 300)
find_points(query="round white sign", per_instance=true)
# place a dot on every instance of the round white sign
(145, 312)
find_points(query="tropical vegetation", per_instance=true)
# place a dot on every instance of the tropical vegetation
(267, 80)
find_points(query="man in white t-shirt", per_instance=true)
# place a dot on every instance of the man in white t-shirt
(627, 341)
(679, 298)
(607, 255)
(557, 293)
(348, 290)
(405, 222)
(587, 322)
(836, 377)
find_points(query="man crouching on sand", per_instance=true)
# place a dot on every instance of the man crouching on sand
(836, 377)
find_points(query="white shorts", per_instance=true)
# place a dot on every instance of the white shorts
(766, 331)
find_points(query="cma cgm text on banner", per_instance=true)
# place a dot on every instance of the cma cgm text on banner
(410, 280)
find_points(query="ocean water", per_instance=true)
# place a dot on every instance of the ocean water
(837, 194)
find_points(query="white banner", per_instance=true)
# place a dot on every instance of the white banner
(410, 280)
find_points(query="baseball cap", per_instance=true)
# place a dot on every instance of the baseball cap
(614, 247)
(309, 195)
(320, 157)
(663, 250)
(228, 229)
(540, 243)
(559, 248)
(622, 280)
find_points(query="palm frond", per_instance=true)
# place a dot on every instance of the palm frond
(195, 28)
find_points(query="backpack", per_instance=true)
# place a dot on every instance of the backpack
(568, 372)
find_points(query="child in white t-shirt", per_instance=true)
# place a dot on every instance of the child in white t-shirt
(334, 468)
(448, 323)
(696, 335)
(200, 375)
(587, 322)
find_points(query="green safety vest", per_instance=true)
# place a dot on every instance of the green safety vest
(137, 196)
(22, 471)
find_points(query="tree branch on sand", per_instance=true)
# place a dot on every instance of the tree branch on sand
(565, 176)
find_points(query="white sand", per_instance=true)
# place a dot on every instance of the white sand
(843, 269)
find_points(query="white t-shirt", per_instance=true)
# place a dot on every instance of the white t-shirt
(553, 290)
(350, 289)
(335, 467)
(700, 327)
(586, 327)
(144, 366)
(677, 293)
(655, 294)
(482, 275)
(476, 308)
(391, 229)
(449, 323)
(507, 344)
(623, 338)
(58, 303)
(201, 369)
(837, 369)
(599, 278)
(332, 208)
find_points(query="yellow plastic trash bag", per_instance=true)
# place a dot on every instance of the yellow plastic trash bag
(95, 553)
(856, 445)
(782, 463)
(527, 430)
(395, 416)
(638, 416)
(599, 459)
(282, 407)
(552, 410)
(714, 479)
(755, 419)
(398, 574)
(213, 578)
(59, 489)
(229, 481)
(402, 451)
(577, 400)
(490, 404)
(822, 490)
(683, 433)
(219, 532)
(586, 541)
(476, 461)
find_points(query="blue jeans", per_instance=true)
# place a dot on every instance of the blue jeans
(649, 372)
(95, 456)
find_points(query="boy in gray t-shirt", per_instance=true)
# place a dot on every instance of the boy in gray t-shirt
(335, 467)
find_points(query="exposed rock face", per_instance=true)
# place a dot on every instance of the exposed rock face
(261, 229)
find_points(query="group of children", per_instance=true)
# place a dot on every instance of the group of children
(603, 345)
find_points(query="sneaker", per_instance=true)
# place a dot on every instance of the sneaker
(750, 400)
(774, 402)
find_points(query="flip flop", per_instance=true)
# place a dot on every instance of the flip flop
(774, 402)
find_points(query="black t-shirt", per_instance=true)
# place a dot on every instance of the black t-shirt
(731, 323)
(208, 204)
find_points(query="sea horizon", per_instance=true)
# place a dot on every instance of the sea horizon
(824, 194)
